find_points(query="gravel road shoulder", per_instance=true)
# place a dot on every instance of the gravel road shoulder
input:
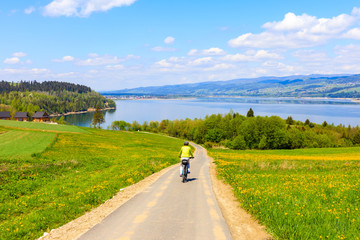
(242, 225)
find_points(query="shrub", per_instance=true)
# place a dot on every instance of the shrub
(209, 144)
(238, 143)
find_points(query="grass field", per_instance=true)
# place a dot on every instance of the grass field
(297, 194)
(24, 143)
(41, 126)
(74, 174)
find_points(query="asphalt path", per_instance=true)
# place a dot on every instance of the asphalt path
(168, 209)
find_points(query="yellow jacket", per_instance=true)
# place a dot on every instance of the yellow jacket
(185, 152)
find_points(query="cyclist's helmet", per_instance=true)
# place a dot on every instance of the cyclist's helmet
(186, 143)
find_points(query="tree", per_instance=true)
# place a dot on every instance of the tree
(98, 118)
(250, 113)
(238, 143)
(324, 124)
(356, 139)
(290, 120)
(135, 126)
(61, 120)
(214, 135)
(120, 125)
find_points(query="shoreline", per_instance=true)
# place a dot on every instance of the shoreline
(357, 100)
(80, 112)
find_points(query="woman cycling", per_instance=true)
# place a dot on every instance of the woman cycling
(185, 154)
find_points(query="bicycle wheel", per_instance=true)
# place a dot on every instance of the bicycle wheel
(185, 174)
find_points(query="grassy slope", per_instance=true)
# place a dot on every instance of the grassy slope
(73, 175)
(24, 143)
(41, 126)
(297, 194)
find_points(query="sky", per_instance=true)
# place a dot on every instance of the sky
(117, 44)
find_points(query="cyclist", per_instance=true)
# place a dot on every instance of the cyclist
(185, 154)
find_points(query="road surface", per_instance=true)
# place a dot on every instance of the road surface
(168, 209)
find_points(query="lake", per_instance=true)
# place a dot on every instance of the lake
(316, 110)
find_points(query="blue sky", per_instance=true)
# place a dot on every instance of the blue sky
(116, 44)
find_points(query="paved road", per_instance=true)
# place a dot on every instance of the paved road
(168, 209)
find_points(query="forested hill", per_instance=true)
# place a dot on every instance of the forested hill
(333, 86)
(47, 86)
(52, 97)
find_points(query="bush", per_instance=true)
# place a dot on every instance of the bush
(214, 135)
(208, 144)
(238, 143)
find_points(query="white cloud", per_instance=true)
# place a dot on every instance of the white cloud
(100, 60)
(352, 34)
(82, 8)
(279, 67)
(29, 10)
(169, 40)
(220, 66)
(312, 56)
(39, 70)
(115, 67)
(65, 59)
(297, 31)
(19, 54)
(132, 57)
(163, 49)
(347, 54)
(33, 71)
(251, 55)
(211, 52)
(291, 22)
(13, 60)
(163, 63)
(201, 61)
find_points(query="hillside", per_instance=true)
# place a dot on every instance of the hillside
(52, 97)
(333, 86)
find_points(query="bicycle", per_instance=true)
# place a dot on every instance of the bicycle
(185, 162)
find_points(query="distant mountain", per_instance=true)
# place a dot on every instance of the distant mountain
(333, 86)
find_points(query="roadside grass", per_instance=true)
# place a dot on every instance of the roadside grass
(76, 173)
(41, 126)
(297, 194)
(24, 143)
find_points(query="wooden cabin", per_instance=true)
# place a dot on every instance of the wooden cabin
(5, 115)
(21, 116)
(41, 117)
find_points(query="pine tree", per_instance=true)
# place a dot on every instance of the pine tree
(290, 120)
(250, 113)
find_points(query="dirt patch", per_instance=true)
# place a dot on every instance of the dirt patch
(242, 225)
(79, 226)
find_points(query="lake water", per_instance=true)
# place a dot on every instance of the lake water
(316, 110)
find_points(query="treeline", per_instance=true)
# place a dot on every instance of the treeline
(47, 86)
(351, 94)
(53, 101)
(236, 131)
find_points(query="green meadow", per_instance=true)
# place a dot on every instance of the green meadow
(70, 171)
(20, 143)
(297, 194)
(42, 126)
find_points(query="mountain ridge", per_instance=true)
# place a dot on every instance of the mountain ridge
(315, 85)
